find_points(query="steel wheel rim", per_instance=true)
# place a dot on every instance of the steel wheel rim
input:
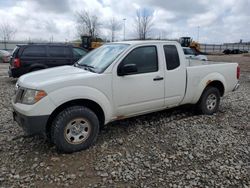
(211, 101)
(77, 131)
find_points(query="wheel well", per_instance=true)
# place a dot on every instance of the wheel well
(218, 85)
(96, 108)
(37, 66)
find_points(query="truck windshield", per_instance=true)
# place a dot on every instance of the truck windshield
(99, 59)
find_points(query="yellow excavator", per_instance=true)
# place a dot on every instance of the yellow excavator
(188, 42)
(90, 43)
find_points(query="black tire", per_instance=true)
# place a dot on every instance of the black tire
(60, 132)
(209, 101)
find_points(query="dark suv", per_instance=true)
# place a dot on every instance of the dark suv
(33, 57)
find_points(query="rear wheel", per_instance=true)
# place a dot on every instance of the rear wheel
(74, 129)
(209, 101)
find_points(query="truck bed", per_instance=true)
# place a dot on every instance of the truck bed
(198, 73)
(191, 63)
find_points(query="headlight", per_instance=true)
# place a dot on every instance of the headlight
(31, 96)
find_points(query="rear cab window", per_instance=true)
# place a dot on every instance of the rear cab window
(171, 57)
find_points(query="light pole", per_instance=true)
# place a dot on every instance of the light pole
(198, 33)
(124, 20)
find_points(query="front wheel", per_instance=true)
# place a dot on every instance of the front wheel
(75, 128)
(209, 101)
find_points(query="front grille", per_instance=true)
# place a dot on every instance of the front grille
(19, 95)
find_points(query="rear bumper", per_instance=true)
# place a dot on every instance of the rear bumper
(16, 72)
(32, 125)
(236, 87)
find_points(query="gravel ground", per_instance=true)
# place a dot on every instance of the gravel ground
(173, 148)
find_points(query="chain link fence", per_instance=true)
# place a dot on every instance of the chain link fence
(206, 48)
(219, 48)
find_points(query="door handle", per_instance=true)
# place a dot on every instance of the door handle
(158, 78)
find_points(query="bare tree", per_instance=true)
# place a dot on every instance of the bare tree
(114, 26)
(144, 23)
(7, 32)
(81, 30)
(88, 24)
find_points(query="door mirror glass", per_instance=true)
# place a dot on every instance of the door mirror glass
(127, 69)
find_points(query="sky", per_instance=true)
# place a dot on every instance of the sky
(206, 21)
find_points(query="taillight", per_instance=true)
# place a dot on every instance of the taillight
(17, 63)
(238, 72)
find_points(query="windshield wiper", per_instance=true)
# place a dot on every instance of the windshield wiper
(86, 67)
(89, 66)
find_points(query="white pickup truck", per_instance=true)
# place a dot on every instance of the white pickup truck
(191, 54)
(116, 81)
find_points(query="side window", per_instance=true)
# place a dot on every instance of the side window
(58, 51)
(34, 51)
(78, 53)
(145, 58)
(172, 57)
(67, 52)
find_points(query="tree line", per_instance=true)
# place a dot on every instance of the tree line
(89, 24)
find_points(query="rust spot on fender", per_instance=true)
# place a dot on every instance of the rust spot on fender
(209, 81)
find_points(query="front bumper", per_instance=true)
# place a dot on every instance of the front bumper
(32, 125)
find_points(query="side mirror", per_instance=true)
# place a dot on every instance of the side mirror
(127, 69)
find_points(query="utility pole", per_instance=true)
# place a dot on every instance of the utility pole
(198, 33)
(124, 20)
(5, 41)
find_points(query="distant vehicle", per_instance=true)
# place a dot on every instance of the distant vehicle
(4, 56)
(90, 43)
(33, 57)
(117, 80)
(234, 51)
(227, 51)
(191, 54)
(188, 42)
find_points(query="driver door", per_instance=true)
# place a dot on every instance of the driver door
(143, 90)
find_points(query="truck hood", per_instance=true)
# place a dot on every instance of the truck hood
(41, 79)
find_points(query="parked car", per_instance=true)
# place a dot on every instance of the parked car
(191, 54)
(4, 56)
(234, 51)
(113, 82)
(33, 57)
(227, 51)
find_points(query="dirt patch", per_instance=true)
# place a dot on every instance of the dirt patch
(242, 59)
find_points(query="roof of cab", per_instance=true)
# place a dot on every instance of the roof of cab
(136, 42)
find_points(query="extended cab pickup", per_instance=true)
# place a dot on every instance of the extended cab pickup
(116, 81)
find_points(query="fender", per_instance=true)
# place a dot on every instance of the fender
(66, 94)
(205, 81)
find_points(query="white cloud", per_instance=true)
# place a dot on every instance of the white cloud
(219, 21)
